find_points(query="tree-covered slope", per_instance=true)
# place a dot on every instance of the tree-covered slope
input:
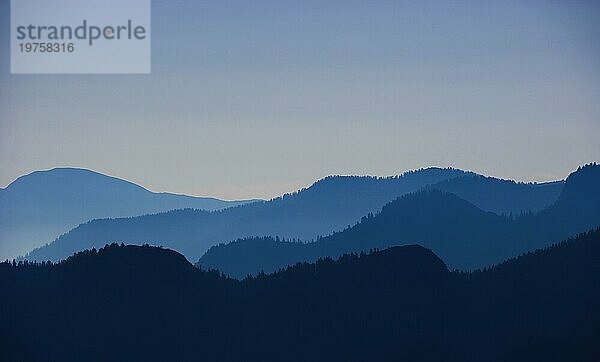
(146, 303)
(465, 236)
(502, 196)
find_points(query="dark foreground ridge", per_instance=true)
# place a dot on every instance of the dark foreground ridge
(147, 303)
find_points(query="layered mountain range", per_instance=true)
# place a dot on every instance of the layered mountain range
(329, 205)
(37, 208)
(435, 264)
(461, 233)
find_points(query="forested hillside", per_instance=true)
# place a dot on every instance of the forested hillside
(138, 303)
(462, 234)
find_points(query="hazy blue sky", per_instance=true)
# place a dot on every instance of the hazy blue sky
(253, 99)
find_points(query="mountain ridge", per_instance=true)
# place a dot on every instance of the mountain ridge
(465, 236)
(40, 206)
(304, 214)
(145, 303)
(330, 204)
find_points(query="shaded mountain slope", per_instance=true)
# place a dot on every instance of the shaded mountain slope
(38, 207)
(502, 196)
(465, 236)
(145, 303)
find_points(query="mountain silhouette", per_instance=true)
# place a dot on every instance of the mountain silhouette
(502, 196)
(328, 205)
(38, 207)
(465, 236)
(402, 303)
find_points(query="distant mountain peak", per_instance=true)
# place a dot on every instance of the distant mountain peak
(69, 175)
(422, 176)
(586, 176)
(38, 207)
(583, 185)
(420, 171)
